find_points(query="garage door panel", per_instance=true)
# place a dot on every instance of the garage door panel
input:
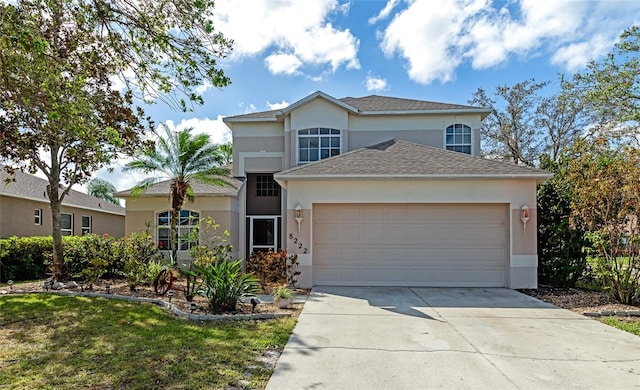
(410, 244)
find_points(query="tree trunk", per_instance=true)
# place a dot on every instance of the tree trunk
(177, 199)
(56, 220)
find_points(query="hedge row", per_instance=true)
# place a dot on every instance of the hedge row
(29, 258)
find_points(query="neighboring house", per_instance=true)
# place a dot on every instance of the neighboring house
(25, 211)
(378, 191)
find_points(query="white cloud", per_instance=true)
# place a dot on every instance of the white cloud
(287, 30)
(218, 132)
(385, 12)
(277, 106)
(283, 64)
(436, 39)
(376, 84)
(201, 89)
(575, 55)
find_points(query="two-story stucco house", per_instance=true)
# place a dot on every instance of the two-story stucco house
(376, 191)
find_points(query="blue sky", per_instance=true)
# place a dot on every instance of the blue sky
(439, 50)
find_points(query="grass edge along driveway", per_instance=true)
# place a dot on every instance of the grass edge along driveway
(56, 341)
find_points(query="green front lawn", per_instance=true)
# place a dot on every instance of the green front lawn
(631, 325)
(51, 341)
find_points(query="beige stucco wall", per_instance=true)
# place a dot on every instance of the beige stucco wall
(17, 219)
(361, 139)
(319, 113)
(523, 259)
(260, 140)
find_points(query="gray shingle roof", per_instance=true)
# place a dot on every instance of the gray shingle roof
(31, 187)
(369, 104)
(403, 159)
(163, 188)
(386, 103)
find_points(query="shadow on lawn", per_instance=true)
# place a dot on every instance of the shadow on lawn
(79, 341)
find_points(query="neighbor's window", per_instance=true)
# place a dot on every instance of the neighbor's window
(37, 217)
(66, 224)
(187, 222)
(458, 138)
(317, 144)
(266, 186)
(86, 224)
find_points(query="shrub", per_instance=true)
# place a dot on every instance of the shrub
(90, 255)
(560, 246)
(137, 251)
(274, 267)
(620, 274)
(270, 266)
(24, 258)
(152, 270)
(224, 283)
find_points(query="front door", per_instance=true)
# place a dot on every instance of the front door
(264, 233)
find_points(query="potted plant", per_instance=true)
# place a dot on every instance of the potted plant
(282, 296)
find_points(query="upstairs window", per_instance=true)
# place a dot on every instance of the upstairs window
(186, 226)
(317, 144)
(458, 138)
(266, 186)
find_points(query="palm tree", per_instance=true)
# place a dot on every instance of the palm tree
(183, 158)
(226, 150)
(102, 189)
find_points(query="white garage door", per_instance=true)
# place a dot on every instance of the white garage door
(462, 245)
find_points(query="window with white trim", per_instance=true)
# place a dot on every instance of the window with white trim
(186, 226)
(37, 217)
(66, 224)
(86, 224)
(458, 138)
(317, 144)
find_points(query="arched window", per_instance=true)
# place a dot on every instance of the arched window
(187, 222)
(317, 144)
(458, 138)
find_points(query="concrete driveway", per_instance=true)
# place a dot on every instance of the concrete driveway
(424, 338)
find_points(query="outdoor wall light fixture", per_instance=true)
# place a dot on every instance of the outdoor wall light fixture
(298, 217)
(524, 216)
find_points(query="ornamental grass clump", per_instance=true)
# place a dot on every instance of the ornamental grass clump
(224, 284)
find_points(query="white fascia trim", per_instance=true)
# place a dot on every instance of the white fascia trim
(263, 119)
(64, 204)
(431, 112)
(532, 176)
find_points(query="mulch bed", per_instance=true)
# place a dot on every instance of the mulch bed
(579, 300)
(120, 287)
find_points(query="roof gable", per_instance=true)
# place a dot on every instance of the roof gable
(403, 159)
